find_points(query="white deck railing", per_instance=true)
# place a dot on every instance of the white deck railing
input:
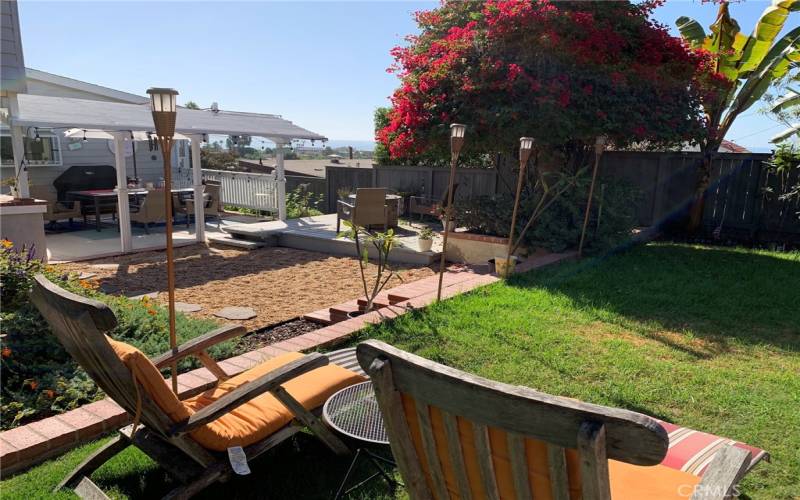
(247, 190)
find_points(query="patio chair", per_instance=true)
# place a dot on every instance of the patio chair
(56, 210)
(423, 206)
(151, 210)
(369, 209)
(213, 206)
(257, 409)
(456, 435)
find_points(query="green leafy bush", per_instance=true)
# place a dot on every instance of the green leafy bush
(302, 203)
(559, 226)
(39, 377)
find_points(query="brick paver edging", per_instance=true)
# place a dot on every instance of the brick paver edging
(32, 443)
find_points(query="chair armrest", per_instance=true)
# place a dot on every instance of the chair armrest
(723, 474)
(198, 344)
(237, 397)
(348, 205)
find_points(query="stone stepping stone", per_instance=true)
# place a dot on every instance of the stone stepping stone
(236, 313)
(86, 276)
(185, 307)
(110, 267)
(150, 295)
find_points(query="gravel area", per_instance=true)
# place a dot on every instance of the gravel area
(270, 335)
(279, 283)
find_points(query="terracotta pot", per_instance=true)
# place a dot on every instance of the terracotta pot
(505, 266)
(424, 245)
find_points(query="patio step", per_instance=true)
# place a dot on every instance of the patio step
(382, 300)
(321, 316)
(340, 312)
(235, 242)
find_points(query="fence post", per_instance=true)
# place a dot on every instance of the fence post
(280, 179)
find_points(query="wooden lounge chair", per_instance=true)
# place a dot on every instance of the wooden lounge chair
(458, 436)
(369, 209)
(423, 206)
(257, 409)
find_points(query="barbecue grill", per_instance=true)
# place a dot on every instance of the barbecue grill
(85, 177)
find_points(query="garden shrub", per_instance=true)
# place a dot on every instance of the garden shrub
(39, 378)
(302, 203)
(559, 226)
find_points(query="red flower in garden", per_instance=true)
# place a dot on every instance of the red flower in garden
(5, 352)
(33, 385)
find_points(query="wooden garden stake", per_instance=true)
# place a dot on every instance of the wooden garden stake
(599, 147)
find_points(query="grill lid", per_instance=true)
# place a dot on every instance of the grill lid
(84, 177)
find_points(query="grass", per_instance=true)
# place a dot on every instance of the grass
(704, 337)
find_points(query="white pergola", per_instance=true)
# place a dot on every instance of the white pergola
(124, 121)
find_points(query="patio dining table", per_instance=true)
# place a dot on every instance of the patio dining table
(97, 197)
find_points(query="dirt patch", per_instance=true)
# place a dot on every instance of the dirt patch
(270, 335)
(279, 283)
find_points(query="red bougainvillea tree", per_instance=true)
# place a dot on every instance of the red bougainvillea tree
(562, 72)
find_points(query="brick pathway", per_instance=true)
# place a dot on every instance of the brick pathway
(29, 444)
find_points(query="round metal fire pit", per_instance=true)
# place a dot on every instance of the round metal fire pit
(354, 412)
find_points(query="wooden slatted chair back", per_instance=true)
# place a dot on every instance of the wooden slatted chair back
(80, 324)
(459, 436)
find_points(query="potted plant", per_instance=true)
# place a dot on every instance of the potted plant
(383, 243)
(425, 239)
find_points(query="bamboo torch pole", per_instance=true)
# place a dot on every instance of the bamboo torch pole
(525, 148)
(599, 147)
(164, 115)
(456, 143)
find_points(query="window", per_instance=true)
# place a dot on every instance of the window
(46, 151)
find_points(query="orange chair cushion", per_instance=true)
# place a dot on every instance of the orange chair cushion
(150, 380)
(250, 422)
(627, 481)
(264, 415)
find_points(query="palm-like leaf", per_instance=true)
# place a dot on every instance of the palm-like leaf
(791, 100)
(767, 28)
(691, 31)
(792, 130)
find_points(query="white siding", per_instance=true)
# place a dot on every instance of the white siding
(149, 165)
(12, 63)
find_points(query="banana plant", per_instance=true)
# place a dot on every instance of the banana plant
(751, 63)
(786, 106)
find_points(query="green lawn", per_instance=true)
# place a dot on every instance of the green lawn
(703, 337)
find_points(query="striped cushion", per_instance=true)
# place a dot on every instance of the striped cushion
(691, 451)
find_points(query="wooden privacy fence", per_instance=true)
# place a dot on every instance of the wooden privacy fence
(421, 181)
(736, 203)
(247, 190)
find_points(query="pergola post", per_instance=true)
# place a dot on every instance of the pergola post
(18, 149)
(280, 179)
(199, 189)
(123, 212)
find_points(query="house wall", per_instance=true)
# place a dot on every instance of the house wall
(149, 164)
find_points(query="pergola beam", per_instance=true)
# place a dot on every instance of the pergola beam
(199, 189)
(123, 212)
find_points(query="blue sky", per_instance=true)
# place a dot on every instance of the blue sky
(319, 64)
